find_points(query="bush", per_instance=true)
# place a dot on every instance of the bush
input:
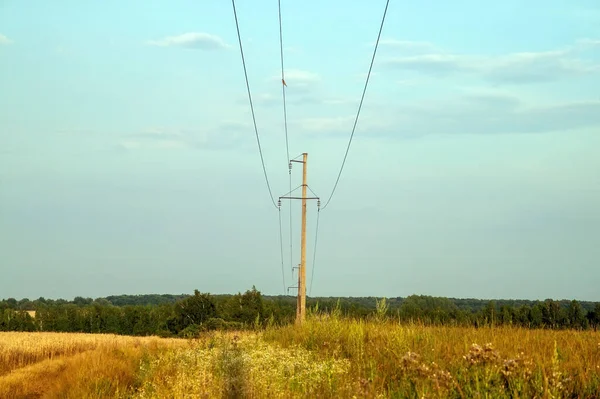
(191, 331)
(214, 323)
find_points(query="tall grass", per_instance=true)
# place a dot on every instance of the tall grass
(328, 357)
(414, 360)
(72, 365)
(242, 365)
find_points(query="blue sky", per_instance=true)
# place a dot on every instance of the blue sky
(128, 161)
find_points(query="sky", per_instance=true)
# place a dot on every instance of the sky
(129, 162)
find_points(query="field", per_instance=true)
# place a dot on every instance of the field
(328, 357)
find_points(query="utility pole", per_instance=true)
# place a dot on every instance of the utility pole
(301, 305)
(301, 300)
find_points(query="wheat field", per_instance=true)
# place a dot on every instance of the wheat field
(328, 357)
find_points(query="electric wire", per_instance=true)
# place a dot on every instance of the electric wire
(290, 238)
(311, 190)
(237, 26)
(281, 247)
(360, 104)
(312, 273)
(283, 85)
(285, 125)
(291, 191)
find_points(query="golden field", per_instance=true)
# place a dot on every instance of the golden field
(329, 357)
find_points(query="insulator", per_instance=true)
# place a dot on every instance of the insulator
(279, 204)
(290, 166)
(319, 204)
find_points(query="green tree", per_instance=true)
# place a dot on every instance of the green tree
(245, 308)
(551, 313)
(490, 313)
(195, 309)
(574, 315)
(507, 314)
(593, 317)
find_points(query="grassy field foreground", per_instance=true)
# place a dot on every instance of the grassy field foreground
(327, 357)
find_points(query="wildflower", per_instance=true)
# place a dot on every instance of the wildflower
(481, 355)
(410, 359)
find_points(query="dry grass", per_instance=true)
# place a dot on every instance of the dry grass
(242, 365)
(327, 358)
(393, 360)
(52, 365)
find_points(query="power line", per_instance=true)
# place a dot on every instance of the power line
(360, 105)
(283, 85)
(312, 273)
(281, 247)
(291, 191)
(285, 125)
(291, 235)
(251, 104)
(311, 190)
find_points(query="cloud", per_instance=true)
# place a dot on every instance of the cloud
(407, 45)
(340, 101)
(536, 67)
(302, 88)
(193, 40)
(293, 50)
(297, 79)
(154, 138)
(434, 64)
(515, 68)
(474, 113)
(4, 40)
(496, 115)
(325, 125)
(588, 43)
(224, 136)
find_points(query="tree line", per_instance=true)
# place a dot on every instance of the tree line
(187, 315)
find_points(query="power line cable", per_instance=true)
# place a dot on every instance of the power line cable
(283, 86)
(291, 191)
(312, 273)
(281, 247)
(360, 105)
(311, 190)
(285, 125)
(251, 104)
(290, 238)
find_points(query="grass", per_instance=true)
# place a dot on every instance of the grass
(64, 365)
(410, 361)
(329, 357)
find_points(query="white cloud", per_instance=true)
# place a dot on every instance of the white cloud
(472, 113)
(292, 50)
(326, 125)
(361, 77)
(192, 40)
(4, 40)
(297, 78)
(408, 82)
(492, 114)
(589, 42)
(340, 101)
(224, 136)
(525, 67)
(407, 45)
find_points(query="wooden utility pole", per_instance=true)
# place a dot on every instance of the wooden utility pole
(301, 305)
(301, 300)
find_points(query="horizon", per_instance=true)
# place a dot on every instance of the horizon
(312, 297)
(129, 161)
